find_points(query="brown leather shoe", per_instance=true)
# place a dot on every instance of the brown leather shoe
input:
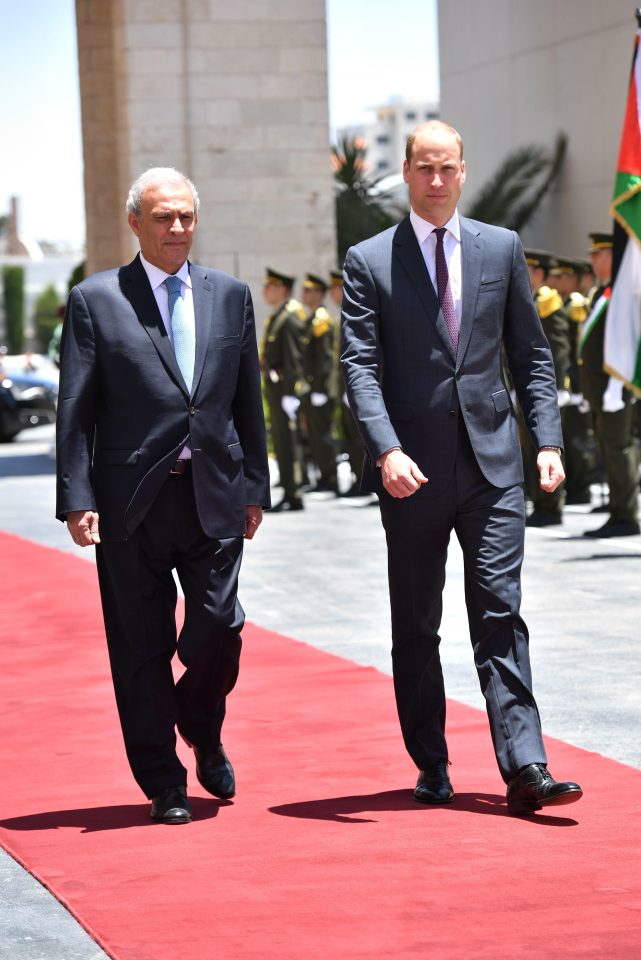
(534, 788)
(433, 784)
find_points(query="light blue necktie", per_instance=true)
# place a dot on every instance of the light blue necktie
(182, 331)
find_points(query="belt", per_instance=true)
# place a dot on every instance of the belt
(180, 467)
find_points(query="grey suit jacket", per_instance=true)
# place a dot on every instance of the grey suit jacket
(124, 411)
(406, 387)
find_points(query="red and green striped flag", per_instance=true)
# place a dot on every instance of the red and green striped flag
(622, 346)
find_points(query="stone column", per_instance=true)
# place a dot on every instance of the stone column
(232, 94)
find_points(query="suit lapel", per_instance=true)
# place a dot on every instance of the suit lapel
(135, 287)
(203, 294)
(413, 263)
(471, 264)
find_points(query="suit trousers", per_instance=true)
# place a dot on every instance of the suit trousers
(139, 596)
(489, 523)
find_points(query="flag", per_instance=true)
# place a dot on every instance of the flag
(622, 344)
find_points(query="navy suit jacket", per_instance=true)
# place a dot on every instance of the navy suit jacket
(124, 411)
(405, 385)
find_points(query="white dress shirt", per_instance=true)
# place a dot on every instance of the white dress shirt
(157, 279)
(426, 237)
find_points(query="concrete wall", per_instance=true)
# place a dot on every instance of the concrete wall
(515, 72)
(232, 93)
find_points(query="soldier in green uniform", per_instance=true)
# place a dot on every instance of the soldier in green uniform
(548, 507)
(581, 453)
(282, 368)
(351, 437)
(319, 371)
(611, 405)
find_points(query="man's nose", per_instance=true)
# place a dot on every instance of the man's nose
(177, 226)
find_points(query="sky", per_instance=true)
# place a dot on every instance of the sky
(372, 57)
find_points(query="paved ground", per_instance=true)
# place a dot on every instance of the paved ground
(319, 576)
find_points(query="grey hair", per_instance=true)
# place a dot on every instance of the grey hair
(154, 177)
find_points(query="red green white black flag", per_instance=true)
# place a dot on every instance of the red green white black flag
(622, 346)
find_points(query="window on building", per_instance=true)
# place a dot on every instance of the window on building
(410, 115)
(382, 138)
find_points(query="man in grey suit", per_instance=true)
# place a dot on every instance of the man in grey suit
(427, 307)
(162, 465)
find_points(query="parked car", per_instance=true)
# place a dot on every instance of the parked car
(28, 398)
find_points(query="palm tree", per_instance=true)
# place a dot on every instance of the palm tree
(512, 195)
(359, 215)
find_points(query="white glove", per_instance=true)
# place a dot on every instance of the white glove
(318, 399)
(576, 399)
(613, 397)
(563, 397)
(290, 405)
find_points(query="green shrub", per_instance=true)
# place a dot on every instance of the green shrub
(46, 315)
(13, 296)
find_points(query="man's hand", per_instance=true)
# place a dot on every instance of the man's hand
(253, 519)
(83, 527)
(401, 476)
(551, 472)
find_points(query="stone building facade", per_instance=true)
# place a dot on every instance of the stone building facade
(514, 73)
(234, 94)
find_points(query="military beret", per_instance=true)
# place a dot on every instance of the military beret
(273, 276)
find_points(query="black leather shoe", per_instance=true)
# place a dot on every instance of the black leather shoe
(215, 772)
(614, 528)
(534, 788)
(171, 806)
(288, 506)
(433, 785)
(542, 519)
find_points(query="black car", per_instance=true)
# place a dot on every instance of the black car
(27, 399)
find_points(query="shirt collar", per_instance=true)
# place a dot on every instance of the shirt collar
(158, 276)
(423, 228)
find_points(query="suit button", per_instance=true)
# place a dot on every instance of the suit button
(452, 413)
(192, 411)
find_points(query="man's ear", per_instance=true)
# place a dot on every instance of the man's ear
(132, 220)
(405, 170)
(462, 171)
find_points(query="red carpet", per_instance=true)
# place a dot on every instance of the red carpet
(323, 854)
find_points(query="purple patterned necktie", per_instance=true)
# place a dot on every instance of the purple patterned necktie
(445, 299)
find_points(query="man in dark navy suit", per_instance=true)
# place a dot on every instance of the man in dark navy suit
(162, 464)
(427, 307)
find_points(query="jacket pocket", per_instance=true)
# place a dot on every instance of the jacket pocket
(232, 341)
(501, 400)
(492, 283)
(112, 458)
(236, 451)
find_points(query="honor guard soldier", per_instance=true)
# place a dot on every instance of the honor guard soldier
(610, 403)
(282, 367)
(548, 507)
(351, 438)
(319, 371)
(581, 454)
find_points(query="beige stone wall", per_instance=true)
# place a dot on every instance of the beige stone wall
(232, 93)
(515, 72)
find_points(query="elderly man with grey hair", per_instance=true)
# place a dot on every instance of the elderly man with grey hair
(162, 467)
